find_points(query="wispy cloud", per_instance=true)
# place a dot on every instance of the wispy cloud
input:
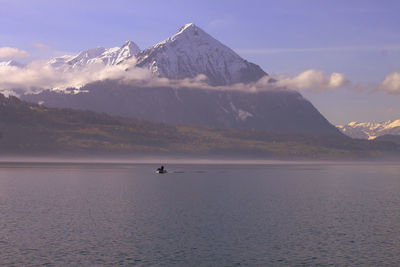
(313, 80)
(12, 53)
(41, 46)
(266, 51)
(391, 83)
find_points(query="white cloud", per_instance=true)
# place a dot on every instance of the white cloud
(313, 80)
(391, 83)
(12, 53)
(39, 75)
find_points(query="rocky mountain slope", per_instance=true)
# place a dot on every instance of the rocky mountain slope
(273, 111)
(370, 130)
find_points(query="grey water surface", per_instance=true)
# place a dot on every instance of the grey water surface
(200, 215)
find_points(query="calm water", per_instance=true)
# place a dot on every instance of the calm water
(200, 215)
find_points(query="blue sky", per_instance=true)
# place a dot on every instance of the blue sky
(360, 39)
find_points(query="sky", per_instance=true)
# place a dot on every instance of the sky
(359, 39)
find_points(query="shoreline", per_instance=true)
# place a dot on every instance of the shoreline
(42, 160)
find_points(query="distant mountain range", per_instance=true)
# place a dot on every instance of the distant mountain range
(370, 130)
(98, 55)
(189, 53)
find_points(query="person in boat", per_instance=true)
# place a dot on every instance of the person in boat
(161, 169)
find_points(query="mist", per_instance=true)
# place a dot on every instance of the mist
(175, 159)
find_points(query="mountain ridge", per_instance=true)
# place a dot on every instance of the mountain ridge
(370, 130)
(98, 55)
(273, 111)
(32, 129)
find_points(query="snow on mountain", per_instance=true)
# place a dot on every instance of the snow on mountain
(187, 54)
(11, 63)
(369, 130)
(98, 55)
(192, 52)
(60, 61)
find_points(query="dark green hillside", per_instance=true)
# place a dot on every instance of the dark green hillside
(28, 128)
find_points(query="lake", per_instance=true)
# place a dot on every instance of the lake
(274, 214)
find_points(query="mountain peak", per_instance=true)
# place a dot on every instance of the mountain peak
(127, 42)
(192, 52)
(191, 32)
(127, 50)
(187, 26)
(132, 46)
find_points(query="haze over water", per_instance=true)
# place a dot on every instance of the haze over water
(200, 215)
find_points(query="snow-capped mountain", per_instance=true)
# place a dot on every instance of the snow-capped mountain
(192, 52)
(187, 54)
(99, 55)
(370, 130)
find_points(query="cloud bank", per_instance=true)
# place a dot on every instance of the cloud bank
(12, 53)
(39, 75)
